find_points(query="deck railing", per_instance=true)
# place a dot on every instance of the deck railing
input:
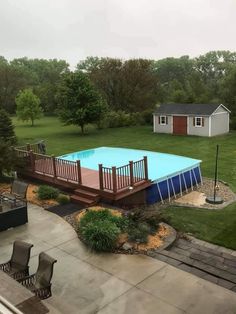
(50, 166)
(114, 179)
(118, 178)
(30, 147)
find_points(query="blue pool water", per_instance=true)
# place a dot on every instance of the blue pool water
(160, 166)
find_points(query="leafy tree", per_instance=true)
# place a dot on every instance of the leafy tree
(79, 101)
(28, 106)
(228, 90)
(7, 158)
(126, 85)
(7, 133)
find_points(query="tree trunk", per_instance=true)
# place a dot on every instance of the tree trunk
(82, 128)
(32, 122)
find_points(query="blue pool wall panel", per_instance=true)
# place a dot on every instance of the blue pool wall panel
(179, 182)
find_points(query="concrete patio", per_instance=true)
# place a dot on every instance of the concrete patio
(85, 282)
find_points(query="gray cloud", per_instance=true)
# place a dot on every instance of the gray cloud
(74, 29)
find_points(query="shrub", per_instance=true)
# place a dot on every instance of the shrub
(233, 123)
(139, 233)
(46, 192)
(93, 215)
(100, 235)
(147, 116)
(121, 222)
(63, 199)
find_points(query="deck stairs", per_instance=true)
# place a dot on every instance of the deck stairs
(85, 197)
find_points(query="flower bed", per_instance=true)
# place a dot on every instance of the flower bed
(131, 232)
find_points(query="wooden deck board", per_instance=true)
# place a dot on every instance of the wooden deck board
(65, 174)
(90, 178)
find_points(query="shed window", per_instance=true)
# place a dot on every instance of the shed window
(198, 122)
(163, 120)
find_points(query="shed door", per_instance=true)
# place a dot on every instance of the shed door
(179, 125)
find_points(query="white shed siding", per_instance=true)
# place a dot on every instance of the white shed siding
(220, 109)
(199, 131)
(158, 128)
(219, 123)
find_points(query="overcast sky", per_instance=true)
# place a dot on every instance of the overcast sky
(75, 29)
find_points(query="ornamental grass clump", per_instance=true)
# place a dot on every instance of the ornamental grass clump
(46, 192)
(100, 229)
(101, 235)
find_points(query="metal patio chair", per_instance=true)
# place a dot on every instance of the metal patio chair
(40, 282)
(18, 266)
(18, 191)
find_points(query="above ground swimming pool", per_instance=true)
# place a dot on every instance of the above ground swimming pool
(170, 174)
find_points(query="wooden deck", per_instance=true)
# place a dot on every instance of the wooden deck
(112, 183)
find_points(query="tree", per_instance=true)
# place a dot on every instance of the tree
(28, 106)
(228, 91)
(126, 85)
(7, 158)
(79, 101)
(7, 133)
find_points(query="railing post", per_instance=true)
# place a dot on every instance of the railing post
(32, 160)
(145, 167)
(54, 166)
(100, 177)
(79, 171)
(131, 172)
(28, 147)
(114, 181)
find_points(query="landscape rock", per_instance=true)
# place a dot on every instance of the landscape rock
(127, 246)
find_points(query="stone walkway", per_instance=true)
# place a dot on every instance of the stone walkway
(205, 260)
(88, 283)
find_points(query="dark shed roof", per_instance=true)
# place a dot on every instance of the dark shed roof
(188, 109)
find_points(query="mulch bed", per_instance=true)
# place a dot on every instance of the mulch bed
(65, 210)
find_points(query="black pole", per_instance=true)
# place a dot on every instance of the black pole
(216, 170)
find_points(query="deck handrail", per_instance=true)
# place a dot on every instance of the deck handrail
(52, 166)
(118, 178)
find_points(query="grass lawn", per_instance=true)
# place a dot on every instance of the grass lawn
(214, 226)
(217, 226)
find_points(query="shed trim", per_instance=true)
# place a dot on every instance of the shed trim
(221, 105)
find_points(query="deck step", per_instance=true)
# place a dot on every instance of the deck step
(82, 200)
(87, 194)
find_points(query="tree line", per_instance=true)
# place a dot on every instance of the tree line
(127, 88)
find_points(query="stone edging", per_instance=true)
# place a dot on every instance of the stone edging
(216, 247)
(168, 241)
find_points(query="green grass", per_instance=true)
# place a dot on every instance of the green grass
(64, 139)
(214, 226)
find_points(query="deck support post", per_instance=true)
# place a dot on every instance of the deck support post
(145, 168)
(54, 166)
(100, 177)
(114, 181)
(28, 147)
(79, 171)
(131, 173)
(32, 160)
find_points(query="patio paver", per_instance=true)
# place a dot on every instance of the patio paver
(85, 282)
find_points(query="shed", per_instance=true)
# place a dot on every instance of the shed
(191, 119)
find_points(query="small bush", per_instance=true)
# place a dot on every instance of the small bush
(121, 222)
(147, 116)
(63, 199)
(139, 233)
(46, 192)
(100, 235)
(93, 215)
(233, 123)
